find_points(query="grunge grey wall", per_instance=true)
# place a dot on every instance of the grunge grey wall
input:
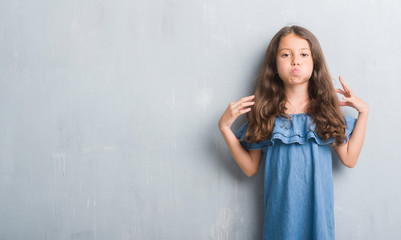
(109, 111)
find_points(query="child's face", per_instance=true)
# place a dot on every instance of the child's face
(294, 60)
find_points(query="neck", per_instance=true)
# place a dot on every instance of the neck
(297, 98)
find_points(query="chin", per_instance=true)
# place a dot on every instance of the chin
(294, 81)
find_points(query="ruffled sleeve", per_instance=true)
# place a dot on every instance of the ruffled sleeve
(350, 122)
(240, 134)
(300, 131)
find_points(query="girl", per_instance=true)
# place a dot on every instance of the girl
(294, 121)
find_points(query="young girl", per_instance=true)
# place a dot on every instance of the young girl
(294, 121)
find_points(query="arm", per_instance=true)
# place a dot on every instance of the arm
(349, 152)
(248, 161)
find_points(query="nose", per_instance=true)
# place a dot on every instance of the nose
(295, 61)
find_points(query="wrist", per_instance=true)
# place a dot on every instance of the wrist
(364, 113)
(364, 110)
(224, 129)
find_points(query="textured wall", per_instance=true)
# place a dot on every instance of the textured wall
(109, 111)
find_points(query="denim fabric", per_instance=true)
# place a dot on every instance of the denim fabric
(298, 181)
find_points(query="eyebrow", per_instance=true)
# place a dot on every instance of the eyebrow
(290, 49)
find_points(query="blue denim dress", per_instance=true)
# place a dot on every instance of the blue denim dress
(298, 181)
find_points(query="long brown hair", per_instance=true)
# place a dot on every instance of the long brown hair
(270, 99)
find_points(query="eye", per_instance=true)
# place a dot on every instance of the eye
(304, 54)
(285, 55)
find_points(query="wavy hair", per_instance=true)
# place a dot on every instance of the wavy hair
(270, 99)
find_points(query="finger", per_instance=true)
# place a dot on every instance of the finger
(347, 99)
(340, 91)
(244, 111)
(344, 104)
(244, 99)
(345, 86)
(243, 106)
(247, 98)
(240, 105)
(342, 83)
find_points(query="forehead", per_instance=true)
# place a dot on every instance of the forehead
(293, 42)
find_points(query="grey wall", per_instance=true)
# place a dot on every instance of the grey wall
(109, 111)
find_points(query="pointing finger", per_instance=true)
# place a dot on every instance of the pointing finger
(345, 86)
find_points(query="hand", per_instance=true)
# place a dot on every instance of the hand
(235, 109)
(350, 99)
